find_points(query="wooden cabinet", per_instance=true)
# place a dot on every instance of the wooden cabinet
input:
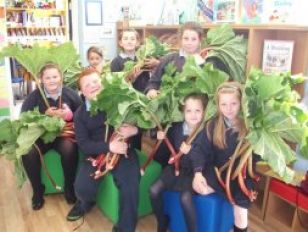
(256, 34)
(287, 208)
(29, 25)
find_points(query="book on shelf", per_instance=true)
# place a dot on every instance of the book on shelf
(277, 56)
(280, 11)
(251, 11)
(205, 11)
(226, 11)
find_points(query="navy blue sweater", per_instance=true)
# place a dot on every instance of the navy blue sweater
(117, 65)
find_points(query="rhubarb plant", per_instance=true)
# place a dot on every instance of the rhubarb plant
(273, 116)
(18, 137)
(222, 43)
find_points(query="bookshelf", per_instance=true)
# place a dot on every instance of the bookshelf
(30, 25)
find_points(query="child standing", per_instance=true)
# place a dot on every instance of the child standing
(95, 58)
(190, 38)
(129, 42)
(63, 102)
(90, 132)
(219, 142)
(193, 110)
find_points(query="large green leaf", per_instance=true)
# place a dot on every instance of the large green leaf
(274, 151)
(32, 59)
(272, 115)
(230, 49)
(65, 55)
(23, 133)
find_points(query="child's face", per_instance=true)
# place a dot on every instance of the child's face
(94, 59)
(129, 41)
(51, 80)
(193, 112)
(229, 105)
(191, 42)
(90, 86)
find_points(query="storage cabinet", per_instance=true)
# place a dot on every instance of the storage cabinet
(287, 209)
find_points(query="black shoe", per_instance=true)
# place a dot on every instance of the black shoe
(76, 212)
(115, 228)
(163, 226)
(37, 203)
(70, 196)
(38, 199)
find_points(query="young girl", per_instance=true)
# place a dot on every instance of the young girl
(129, 42)
(63, 102)
(90, 133)
(95, 58)
(193, 110)
(190, 36)
(219, 142)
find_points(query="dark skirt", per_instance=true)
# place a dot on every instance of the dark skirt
(180, 183)
(239, 197)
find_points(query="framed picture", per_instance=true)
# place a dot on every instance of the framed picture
(94, 12)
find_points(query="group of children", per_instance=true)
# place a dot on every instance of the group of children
(212, 147)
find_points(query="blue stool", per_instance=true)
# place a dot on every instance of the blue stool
(214, 213)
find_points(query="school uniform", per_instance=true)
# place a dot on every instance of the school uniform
(178, 59)
(66, 148)
(189, 163)
(90, 132)
(117, 65)
(217, 157)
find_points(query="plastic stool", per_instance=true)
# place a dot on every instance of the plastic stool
(108, 195)
(53, 162)
(214, 213)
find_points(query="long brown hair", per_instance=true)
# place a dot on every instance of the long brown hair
(219, 130)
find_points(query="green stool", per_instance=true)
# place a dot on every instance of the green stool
(108, 195)
(53, 162)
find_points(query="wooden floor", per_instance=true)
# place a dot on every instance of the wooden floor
(16, 214)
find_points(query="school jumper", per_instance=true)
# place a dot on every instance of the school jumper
(66, 148)
(90, 132)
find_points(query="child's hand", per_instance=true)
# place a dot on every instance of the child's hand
(117, 146)
(68, 114)
(152, 93)
(198, 59)
(55, 112)
(199, 183)
(137, 71)
(161, 135)
(185, 148)
(127, 130)
(51, 111)
(151, 63)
